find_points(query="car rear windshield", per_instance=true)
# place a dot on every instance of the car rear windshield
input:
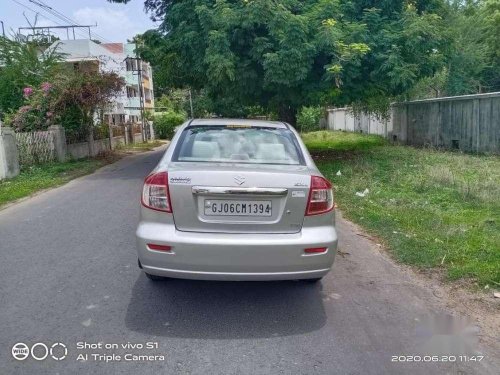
(238, 144)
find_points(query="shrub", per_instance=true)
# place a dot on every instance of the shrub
(71, 120)
(101, 131)
(308, 119)
(165, 123)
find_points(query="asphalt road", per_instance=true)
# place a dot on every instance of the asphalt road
(68, 274)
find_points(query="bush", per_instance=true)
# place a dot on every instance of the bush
(101, 131)
(165, 123)
(308, 119)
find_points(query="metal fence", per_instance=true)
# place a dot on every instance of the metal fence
(35, 148)
(118, 130)
(76, 134)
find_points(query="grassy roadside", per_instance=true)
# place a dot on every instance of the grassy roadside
(143, 146)
(40, 177)
(433, 209)
(45, 176)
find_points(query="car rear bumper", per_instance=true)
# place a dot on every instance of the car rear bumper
(235, 256)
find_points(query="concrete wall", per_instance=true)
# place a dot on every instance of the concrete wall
(470, 123)
(81, 150)
(343, 119)
(78, 150)
(9, 145)
(118, 140)
(137, 138)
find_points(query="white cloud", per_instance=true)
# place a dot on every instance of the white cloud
(113, 25)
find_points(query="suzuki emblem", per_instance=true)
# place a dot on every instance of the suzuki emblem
(240, 180)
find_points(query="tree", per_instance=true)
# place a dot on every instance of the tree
(282, 55)
(474, 61)
(71, 98)
(472, 56)
(84, 96)
(90, 92)
(23, 65)
(246, 53)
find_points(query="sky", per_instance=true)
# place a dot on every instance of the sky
(115, 22)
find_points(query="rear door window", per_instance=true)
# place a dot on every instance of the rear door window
(238, 144)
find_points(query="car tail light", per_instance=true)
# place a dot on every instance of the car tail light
(155, 192)
(156, 247)
(320, 196)
(315, 250)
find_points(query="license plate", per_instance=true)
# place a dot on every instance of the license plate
(221, 207)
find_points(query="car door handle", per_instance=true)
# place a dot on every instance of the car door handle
(221, 190)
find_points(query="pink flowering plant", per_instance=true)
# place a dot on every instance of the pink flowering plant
(27, 91)
(37, 112)
(71, 99)
(46, 87)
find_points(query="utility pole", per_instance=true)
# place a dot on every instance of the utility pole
(141, 99)
(3, 29)
(136, 67)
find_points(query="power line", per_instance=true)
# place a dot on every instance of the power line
(51, 11)
(62, 16)
(38, 13)
(34, 11)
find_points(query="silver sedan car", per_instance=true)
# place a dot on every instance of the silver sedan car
(236, 200)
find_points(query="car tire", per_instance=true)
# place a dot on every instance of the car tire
(313, 281)
(154, 277)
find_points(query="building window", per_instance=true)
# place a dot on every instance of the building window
(131, 64)
(131, 92)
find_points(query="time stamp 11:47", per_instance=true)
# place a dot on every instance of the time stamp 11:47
(437, 358)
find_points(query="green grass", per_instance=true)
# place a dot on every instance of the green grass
(45, 176)
(323, 141)
(143, 146)
(432, 209)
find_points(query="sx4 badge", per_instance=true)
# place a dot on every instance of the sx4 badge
(39, 351)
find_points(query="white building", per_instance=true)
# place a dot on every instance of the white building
(120, 58)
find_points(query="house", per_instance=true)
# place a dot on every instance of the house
(85, 54)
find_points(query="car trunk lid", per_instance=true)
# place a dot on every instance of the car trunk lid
(238, 198)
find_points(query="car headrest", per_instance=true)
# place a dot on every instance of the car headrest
(205, 150)
(271, 151)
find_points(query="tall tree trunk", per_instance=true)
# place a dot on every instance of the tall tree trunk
(90, 139)
(88, 119)
(288, 114)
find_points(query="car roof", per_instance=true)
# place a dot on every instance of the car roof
(245, 122)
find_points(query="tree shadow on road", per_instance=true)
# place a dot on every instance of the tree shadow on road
(224, 310)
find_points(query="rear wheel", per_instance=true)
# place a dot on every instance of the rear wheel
(148, 275)
(154, 277)
(313, 281)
